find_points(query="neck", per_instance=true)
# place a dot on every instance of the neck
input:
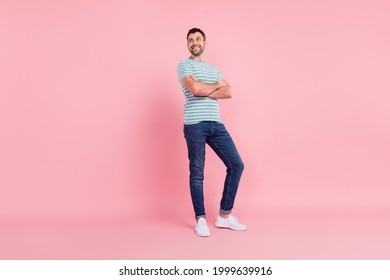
(198, 58)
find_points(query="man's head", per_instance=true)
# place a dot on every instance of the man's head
(196, 41)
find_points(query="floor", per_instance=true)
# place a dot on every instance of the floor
(273, 233)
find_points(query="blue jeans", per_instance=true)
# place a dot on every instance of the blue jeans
(218, 138)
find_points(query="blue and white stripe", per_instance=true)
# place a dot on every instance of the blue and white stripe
(197, 109)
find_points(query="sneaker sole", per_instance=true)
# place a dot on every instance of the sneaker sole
(224, 226)
(202, 235)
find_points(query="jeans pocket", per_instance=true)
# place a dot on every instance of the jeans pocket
(193, 131)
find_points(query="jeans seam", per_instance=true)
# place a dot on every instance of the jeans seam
(230, 179)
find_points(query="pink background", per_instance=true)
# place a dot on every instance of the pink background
(93, 159)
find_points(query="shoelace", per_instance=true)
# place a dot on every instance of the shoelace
(234, 218)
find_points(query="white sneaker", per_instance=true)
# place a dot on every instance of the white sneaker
(230, 222)
(201, 228)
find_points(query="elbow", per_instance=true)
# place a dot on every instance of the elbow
(229, 94)
(193, 90)
(196, 91)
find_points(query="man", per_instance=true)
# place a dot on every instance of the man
(203, 85)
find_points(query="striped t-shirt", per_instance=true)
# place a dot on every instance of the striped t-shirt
(197, 109)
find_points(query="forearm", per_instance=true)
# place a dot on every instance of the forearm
(222, 92)
(204, 89)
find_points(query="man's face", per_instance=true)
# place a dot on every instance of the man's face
(196, 43)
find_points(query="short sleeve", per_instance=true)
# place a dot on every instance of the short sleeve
(219, 76)
(184, 69)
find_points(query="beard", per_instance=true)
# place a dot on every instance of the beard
(196, 52)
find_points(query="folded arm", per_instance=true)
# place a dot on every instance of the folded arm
(222, 92)
(219, 90)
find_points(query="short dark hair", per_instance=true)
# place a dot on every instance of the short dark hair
(194, 30)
